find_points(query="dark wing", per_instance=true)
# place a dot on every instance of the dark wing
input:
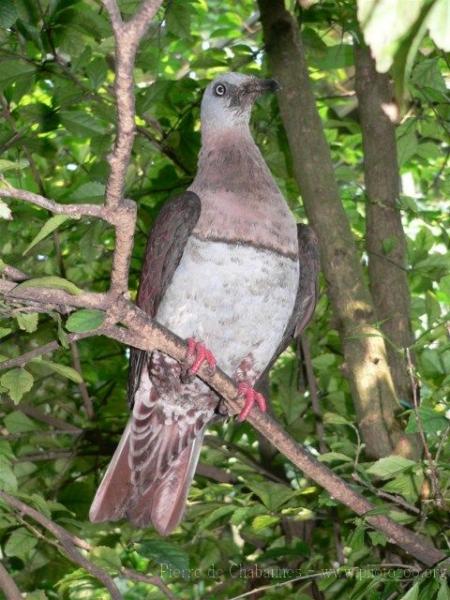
(308, 289)
(165, 247)
(149, 475)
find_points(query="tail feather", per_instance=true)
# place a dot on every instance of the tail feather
(151, 471)
(162, 501)
(112, 496)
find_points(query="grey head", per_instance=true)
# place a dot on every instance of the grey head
(227, 101)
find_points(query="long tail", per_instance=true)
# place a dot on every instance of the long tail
(163, 500)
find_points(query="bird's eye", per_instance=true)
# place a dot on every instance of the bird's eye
(220, 89)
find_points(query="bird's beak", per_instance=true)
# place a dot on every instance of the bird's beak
(269, 85)
(257, 87)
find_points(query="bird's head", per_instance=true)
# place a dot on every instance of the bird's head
(227, 101)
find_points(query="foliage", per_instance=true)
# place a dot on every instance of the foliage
(270, 525)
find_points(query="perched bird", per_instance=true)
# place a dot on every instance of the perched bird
(227, 269)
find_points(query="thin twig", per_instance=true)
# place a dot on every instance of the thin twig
(262, 588)
(151, 580)
(23, 359)
(73, 210)
(87, 401)
(314, 393)
(431, 470)
(395, 499)
(35, 413)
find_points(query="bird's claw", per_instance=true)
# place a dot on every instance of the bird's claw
(251, 396)
(197, 353)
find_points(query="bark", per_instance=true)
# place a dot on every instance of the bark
(385, 238)
(8, 585)
(364, 349)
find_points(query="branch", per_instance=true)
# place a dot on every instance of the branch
(127, 37)
(13, 274)
(35, 413)
(8, 585)
(70, 542)
(143, 333)
(151, 580)
(73, 210)
(23, 359)
(431, 471)
(66, 541)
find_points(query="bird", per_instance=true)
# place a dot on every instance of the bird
(227, 269)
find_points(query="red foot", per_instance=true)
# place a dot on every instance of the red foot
(201, 354)
(251, 396)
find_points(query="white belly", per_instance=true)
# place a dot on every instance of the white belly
(235, 299)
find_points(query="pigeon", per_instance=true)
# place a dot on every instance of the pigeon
(227, 269)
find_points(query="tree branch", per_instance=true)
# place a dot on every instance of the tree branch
(127, 37)
(23, 359)
(73, 210)
(8, 585)
(66, 541)
(70, 542)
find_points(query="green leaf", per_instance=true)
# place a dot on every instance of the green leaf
(28, 321)
(439, 24)
(412, 593)
(427, 74)
(407, 144)
(389, 466)
(85, 320)
(431, 420)
(81, 123)
(273, 495)
(97, 71)
(378, 538)
(8, 479)
(106, 557)
(332, 456)
(384, 24)
(335, 419)
(63, 370)
(18, 382)
(93, 190)
(4, 331)
(5, 211)
(444, 592)
(178, 19)
(165, 553)
(17, 422)
(48, 228)
(12, 70)
(7, 165)
(8, 13)
(51, 281)
(262, 521)
(215, 515)
(20, 543)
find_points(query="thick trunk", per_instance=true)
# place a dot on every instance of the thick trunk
(363, 346)
(385, 238)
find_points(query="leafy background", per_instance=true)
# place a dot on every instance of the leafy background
(56, 78)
